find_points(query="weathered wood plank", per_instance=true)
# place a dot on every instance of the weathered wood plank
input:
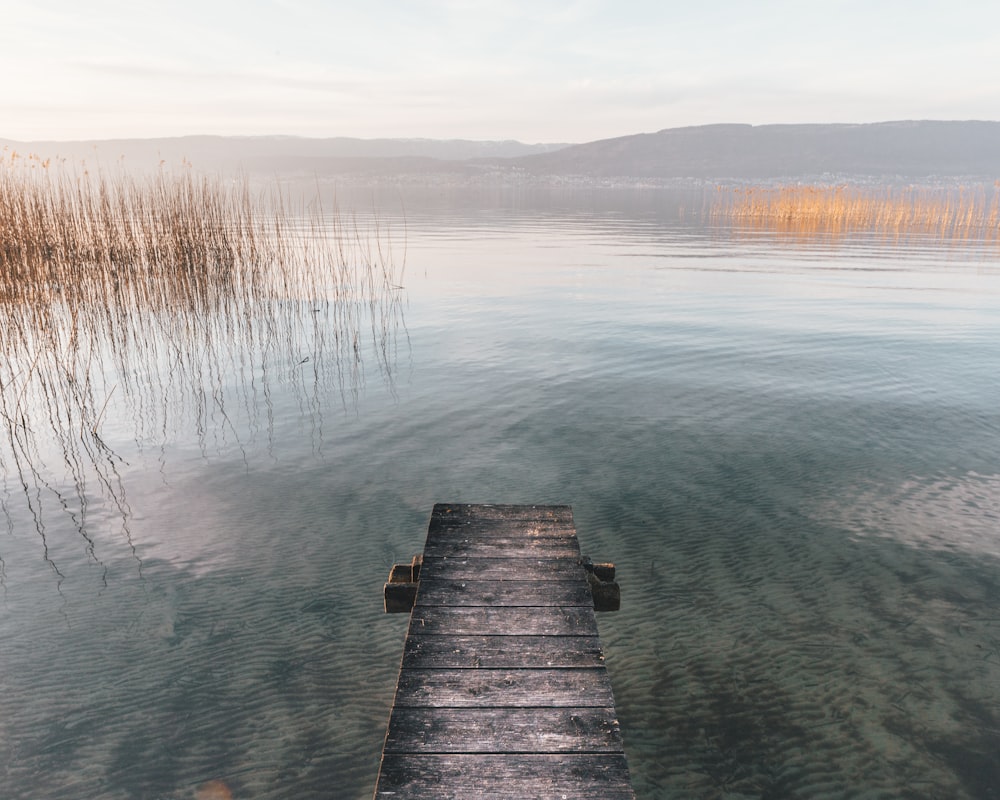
(503, 730)
(511, 547)
(494, 529)
(527, 652)
(503, 593)
(534, 532)
(481, 511)
(595, 776)
(544, 529)
(502, 691)
(511, 688)
(483, 621)
(523, 569)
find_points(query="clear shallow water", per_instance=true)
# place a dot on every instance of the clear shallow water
(790, 449)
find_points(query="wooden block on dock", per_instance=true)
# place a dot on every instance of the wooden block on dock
(502, 691)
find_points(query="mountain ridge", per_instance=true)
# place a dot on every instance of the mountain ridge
(904, 148)
(908, 149)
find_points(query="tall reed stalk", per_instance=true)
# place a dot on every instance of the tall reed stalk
(168, 296)
(947, 214)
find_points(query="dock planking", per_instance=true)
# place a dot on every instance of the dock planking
(502, 689)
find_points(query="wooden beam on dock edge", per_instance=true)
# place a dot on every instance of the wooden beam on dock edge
(502, 689)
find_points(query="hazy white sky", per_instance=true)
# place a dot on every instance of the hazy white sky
(531, 70)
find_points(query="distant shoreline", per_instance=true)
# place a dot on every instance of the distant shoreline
(936, 152)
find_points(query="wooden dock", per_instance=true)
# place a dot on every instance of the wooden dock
(502, 691)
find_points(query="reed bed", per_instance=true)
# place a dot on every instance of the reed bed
(168, 297)
(946, 213)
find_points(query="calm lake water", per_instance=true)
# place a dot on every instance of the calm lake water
(790, 448)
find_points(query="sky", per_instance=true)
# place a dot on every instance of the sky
(530, 70)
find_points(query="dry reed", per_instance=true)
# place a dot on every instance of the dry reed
(948, 214)
(172, 295)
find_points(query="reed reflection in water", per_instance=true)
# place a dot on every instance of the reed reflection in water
(169, 298)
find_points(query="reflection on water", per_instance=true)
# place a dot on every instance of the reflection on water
(959, 514)
(135, 309)
(789, 451)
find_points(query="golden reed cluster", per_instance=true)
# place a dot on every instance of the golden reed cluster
(97, 257)
(181, 295)
(948, 213)
(156, 241)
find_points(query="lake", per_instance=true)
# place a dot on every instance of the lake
(789, 445)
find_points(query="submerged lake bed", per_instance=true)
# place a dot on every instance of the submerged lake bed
(790, 447)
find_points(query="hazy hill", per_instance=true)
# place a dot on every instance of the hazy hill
(905, 149)
(256, 153)
(914, 150)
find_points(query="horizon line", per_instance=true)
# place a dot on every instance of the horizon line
(489, 141)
